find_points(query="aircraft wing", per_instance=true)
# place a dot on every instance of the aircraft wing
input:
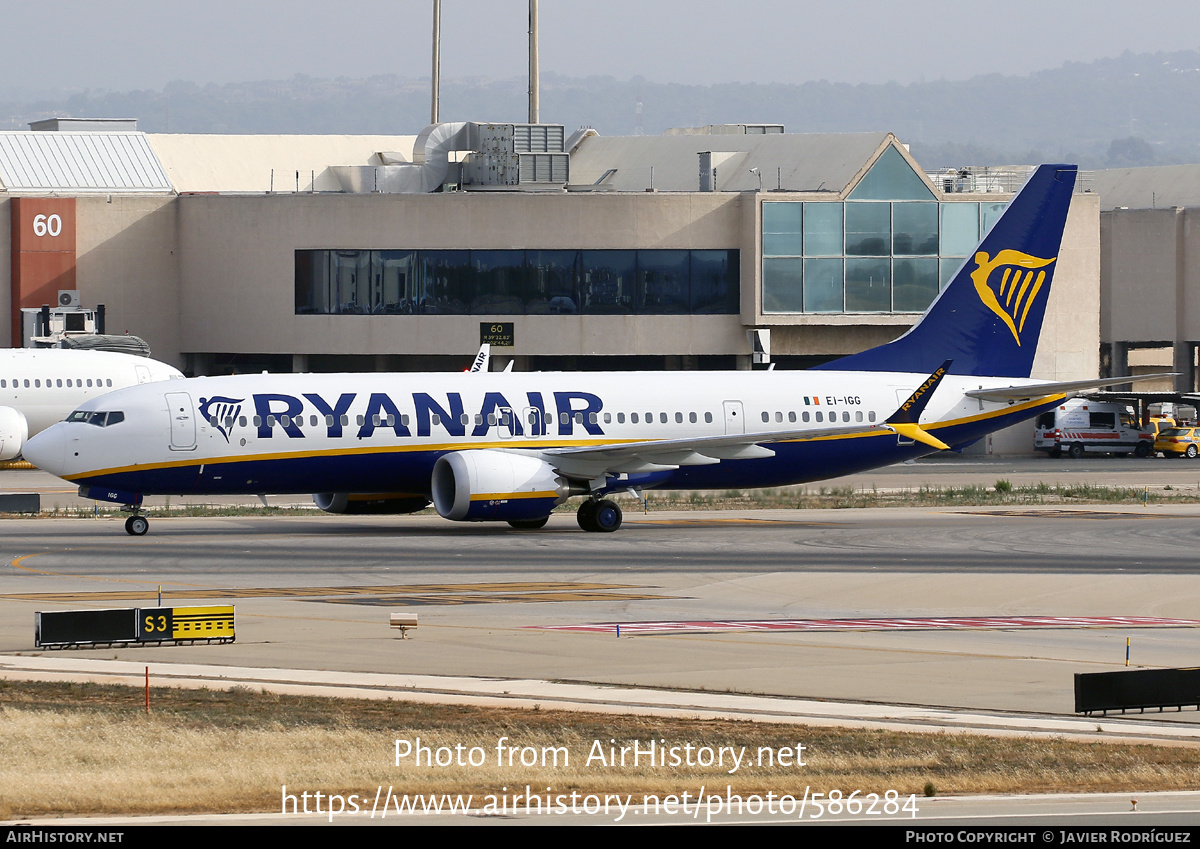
(591, 461)
(1033, 390)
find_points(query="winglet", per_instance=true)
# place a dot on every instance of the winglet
(910, 411)
(905, 421)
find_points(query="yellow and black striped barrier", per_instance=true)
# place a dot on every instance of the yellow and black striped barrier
(134, 626)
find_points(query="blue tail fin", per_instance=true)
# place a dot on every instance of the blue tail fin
(988, 319)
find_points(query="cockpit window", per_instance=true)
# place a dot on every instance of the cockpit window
(101, 418)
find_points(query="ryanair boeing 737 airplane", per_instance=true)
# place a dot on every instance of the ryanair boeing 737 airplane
(510, 447)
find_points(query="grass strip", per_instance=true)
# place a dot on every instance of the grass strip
(92, 749)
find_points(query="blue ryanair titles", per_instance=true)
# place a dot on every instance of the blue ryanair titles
(571, 410)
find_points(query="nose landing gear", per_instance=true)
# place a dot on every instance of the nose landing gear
(137, 525)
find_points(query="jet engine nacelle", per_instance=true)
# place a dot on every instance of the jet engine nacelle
(369, 503)
(495, 486)
(14, 430)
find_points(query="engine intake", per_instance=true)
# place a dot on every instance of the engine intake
(495, 486)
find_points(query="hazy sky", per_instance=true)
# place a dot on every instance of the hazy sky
(73, 44)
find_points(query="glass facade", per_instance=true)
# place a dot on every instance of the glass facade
(516, 282)
(890, 247)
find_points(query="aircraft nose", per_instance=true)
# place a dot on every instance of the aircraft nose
(47, 450)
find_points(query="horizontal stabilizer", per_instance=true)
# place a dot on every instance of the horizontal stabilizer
(918, 434)
(1033, 390)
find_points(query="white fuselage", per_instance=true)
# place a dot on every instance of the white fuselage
(43, 385)
(383, 432)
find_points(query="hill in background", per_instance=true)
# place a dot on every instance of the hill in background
(1135, 109)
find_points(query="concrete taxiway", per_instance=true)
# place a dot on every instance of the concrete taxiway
(315, 592)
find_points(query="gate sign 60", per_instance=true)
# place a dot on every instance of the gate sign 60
(47, 225)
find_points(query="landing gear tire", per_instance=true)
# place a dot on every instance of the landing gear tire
(1076, 451)
(529, 524)
(136, 526)
(607, 517)
(587, 515)
(1142, 450)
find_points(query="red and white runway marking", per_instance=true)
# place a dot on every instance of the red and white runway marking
(919, 624)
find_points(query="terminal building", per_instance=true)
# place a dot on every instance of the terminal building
(721, 247)
(1150, 272)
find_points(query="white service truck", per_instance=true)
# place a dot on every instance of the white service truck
(1079, 426)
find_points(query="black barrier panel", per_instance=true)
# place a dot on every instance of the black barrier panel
(1136, 689)
(20, 502)
(85, 626)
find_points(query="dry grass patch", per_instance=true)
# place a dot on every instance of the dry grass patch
(91, 749)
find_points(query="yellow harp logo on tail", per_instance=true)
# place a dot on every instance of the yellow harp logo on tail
(1011, 293)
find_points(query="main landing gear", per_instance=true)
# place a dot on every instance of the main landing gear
(599, 516)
